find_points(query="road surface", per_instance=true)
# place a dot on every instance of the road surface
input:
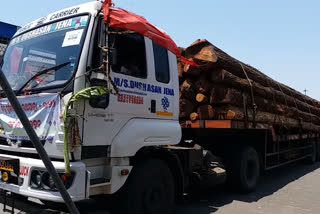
(293, 189)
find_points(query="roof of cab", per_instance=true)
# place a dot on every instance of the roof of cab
(90, 7)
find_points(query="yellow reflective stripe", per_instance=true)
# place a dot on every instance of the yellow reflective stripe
(164, 113)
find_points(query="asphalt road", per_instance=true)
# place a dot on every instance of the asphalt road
(293, 189)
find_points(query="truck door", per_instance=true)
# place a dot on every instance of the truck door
(130, 72)
(165, 78)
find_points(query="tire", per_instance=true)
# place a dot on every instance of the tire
(54, 205)
(312, 159)
(318, 150)
(149, 190)
(245, 169)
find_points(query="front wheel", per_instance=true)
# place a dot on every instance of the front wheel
(149, 190)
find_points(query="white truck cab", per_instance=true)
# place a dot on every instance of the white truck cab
(140, 113)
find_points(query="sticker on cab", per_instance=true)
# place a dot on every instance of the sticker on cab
(72, 38)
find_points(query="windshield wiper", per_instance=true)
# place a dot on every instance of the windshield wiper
(55, 68)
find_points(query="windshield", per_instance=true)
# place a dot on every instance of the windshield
(44, 48)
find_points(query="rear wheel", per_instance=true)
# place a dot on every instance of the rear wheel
(244, 169)
(54, 205)
(313, 158)
(318, 149)
(150, 190)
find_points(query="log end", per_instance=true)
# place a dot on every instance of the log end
(230, 115)
(206, 55)
(194, 116)
(201, 98)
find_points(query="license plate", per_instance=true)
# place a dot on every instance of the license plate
(10, 165)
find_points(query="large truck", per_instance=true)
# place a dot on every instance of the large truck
(121, 136)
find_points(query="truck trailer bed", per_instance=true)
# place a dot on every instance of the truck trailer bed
(274, 147)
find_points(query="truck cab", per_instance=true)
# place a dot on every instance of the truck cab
(140, 113)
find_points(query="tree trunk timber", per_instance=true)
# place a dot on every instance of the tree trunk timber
(221, 86)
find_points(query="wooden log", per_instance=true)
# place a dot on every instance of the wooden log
(202, 85)
(275, 101)
(227, 114)
(304, 116)
(217, 93)
(206, 55)
(194, 48)
(201, 98)
(212, 95)
(234, 66)
(187, 89)
(225, 95)
(223, 77)
(205, 112)
(235, 113)
(194, 116)
(186, 108)
(202, 54)
(236, 98)
(191, 70)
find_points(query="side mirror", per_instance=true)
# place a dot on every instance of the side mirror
(101, 101)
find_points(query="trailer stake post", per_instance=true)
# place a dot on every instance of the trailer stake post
(36, 143)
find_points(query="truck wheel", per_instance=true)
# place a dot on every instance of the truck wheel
(150, 190)
(318, 149)
(245, 169)
(54, 205)
(313, 158)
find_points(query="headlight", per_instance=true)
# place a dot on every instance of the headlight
(35, 181)
(47, 182)
(42, 180)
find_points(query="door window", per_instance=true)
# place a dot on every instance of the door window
(161, 63)
(129, 52)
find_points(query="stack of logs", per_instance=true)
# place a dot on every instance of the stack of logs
(223, 88)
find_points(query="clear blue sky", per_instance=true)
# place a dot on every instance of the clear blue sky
(281, 38)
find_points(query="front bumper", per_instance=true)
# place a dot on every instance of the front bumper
(78, 190)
